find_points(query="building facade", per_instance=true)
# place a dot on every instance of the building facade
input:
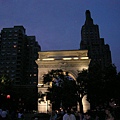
(98, 51)
(70, 61)
(18, 53)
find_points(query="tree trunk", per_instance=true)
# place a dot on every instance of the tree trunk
(81, 105)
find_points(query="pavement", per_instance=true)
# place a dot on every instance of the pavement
(32, 116)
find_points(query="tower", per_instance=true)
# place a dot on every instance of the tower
(98, 51)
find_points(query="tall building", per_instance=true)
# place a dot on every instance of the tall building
(18, 53)
(98, 51)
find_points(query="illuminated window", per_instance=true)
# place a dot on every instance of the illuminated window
(34, 74)
(14, 46)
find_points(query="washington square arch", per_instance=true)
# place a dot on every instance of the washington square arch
(70, 61)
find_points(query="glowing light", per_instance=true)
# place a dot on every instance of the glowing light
(67, 58)
(8, 96)
(48, 59)
(14, 46)
(40, 84)
(75, 58)
(83, 58)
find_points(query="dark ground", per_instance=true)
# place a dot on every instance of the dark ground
(40, 116)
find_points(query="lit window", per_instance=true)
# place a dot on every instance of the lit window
(14, 46)
(34, 74)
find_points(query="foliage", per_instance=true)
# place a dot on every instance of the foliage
(82, 83)
(102, 85)
(5, 84)
(62, 93)
(5, 89)
(95, 85)
(82, 80)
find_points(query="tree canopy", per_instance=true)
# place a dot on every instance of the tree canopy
(63, 90)
(100, 85)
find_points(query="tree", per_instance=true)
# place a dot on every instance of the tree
(62, 93)
(95, 85)
(118, 88)
(5, 84)
(5, 89)
(82, 83)
(101, 85)
(110, 80)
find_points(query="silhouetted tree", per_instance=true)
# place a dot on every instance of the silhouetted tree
(62, 93)
(102, 85)
(82, 83)
(118, 88)
(5, 84)
(5, 89)
(95, 85)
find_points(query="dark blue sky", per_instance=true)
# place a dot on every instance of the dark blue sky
(57, 23)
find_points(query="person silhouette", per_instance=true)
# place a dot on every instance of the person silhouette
(69, 116)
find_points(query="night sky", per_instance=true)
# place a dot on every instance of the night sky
(57, 23)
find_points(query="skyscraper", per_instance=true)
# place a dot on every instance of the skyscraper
(18, 53)
(98, 51)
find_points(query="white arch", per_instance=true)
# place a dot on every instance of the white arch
(70, 61)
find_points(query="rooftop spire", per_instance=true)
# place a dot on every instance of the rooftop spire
(89, 20)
